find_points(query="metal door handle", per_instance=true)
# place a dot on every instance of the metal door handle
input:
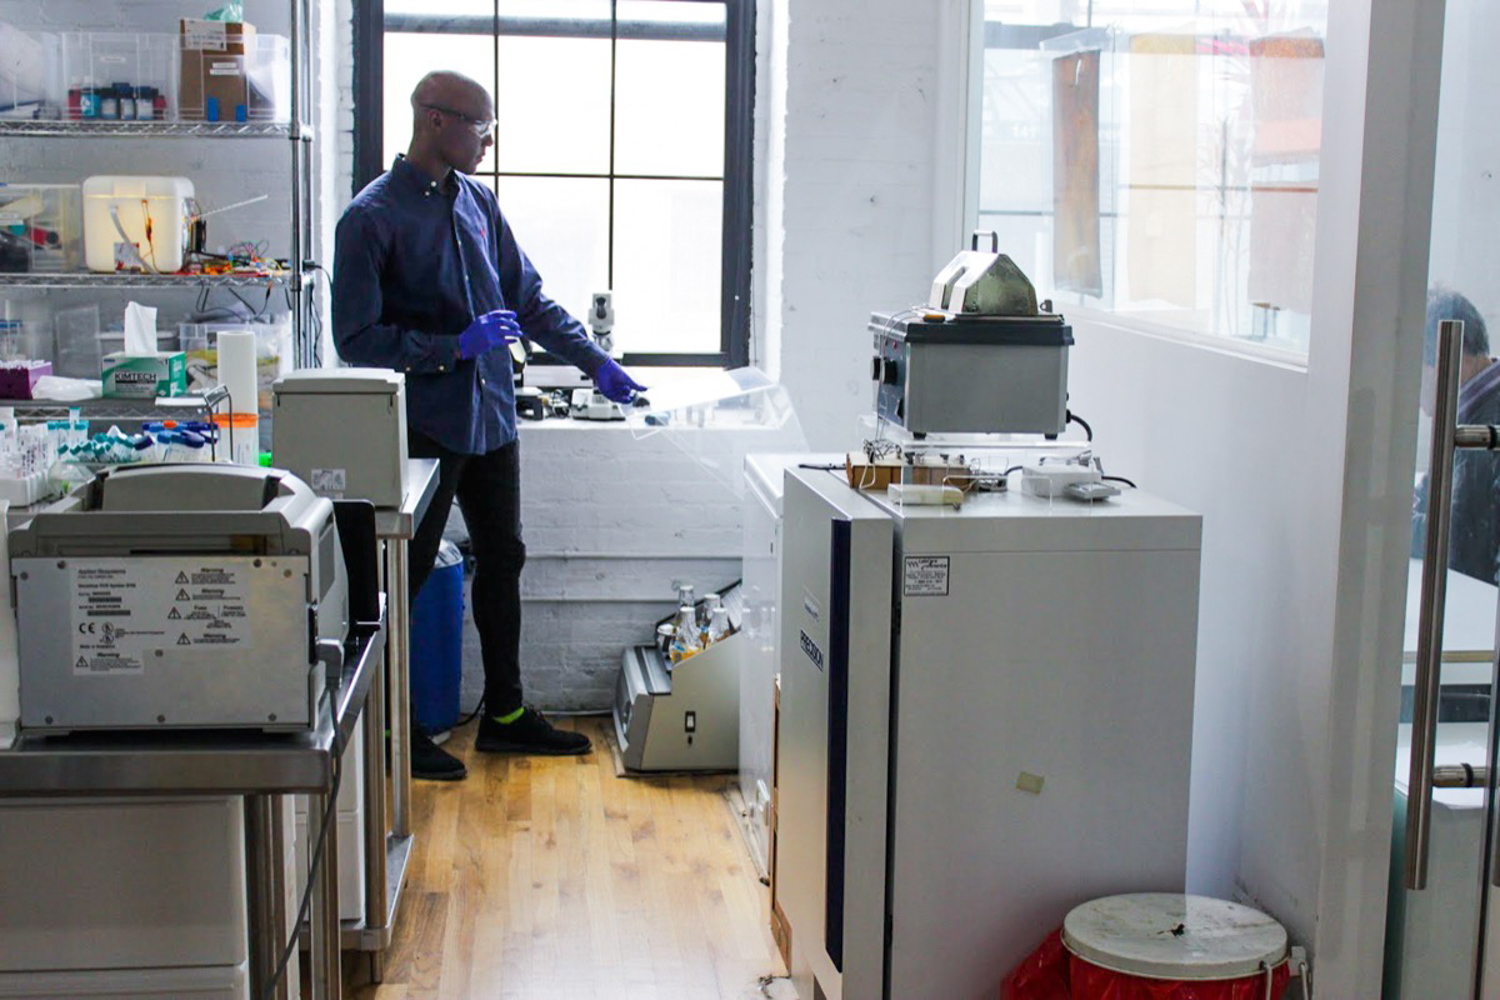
(1430, 615)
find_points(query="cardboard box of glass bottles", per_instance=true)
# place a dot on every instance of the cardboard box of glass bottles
(143, 376)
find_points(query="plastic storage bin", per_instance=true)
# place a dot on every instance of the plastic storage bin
(119, 76)
(437, 627)
(230, 73)
(29, 74)
(40, 228)
(163, 201)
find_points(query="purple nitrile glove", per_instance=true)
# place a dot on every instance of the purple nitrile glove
(615, 384)
(487, 332)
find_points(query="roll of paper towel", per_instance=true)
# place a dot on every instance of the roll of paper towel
(237, 369)
(10, 655)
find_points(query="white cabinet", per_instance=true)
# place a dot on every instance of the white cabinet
(986, 719)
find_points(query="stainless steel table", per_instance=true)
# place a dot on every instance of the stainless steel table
(260, 767)
(385, 870)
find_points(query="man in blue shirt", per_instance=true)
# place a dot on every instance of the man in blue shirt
(428, 280)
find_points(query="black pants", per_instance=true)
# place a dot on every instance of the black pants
(488, 490)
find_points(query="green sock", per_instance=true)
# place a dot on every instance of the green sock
(509, 717)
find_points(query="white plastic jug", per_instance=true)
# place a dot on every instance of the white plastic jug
(133, 202)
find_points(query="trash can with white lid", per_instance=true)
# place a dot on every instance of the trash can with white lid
(1166, 946)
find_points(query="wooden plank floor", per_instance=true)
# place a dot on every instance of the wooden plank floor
(552, 879)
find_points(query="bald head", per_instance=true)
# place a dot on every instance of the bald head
(451, 120)
(447, 89)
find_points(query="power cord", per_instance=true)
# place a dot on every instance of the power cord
(313, 867)
(1119, 479)
(1074, 418)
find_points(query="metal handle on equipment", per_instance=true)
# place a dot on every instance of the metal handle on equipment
(994, 239)
(1430, 618)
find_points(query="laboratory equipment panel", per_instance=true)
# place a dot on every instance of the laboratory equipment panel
(986, 719)
(190, 597)
(343, 431)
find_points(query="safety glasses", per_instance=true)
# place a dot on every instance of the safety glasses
(482, 127)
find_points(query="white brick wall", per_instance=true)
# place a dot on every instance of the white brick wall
(611, 523)
(847, 183)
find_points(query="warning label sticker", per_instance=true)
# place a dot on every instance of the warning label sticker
(126, 613)
(926, 576)
(329, 482)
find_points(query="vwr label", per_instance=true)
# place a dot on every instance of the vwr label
(128, 613)
(926, 576)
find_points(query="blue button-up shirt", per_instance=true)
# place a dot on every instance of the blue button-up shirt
(414, 263)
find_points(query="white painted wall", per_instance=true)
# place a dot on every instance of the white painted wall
(1303, 477)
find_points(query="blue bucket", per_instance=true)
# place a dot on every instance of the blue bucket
(437, 642)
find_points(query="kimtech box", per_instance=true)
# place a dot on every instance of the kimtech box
(143, 376)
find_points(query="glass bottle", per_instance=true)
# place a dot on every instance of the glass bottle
(718, 625)
(705, 612)
(685, 640)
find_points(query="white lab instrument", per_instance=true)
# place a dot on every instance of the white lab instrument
(591, 404)
(343, 430)
(981, 357)
(762, 550)
(157, 597)
(682, 715)
(985, 720)
(140, 223)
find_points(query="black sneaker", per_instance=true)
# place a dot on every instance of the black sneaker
(431, 762)
(531, 733)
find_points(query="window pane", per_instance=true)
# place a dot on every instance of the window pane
(442, 8)
(563, 226)
(669, 109)
(681, 12)
(1162, 163)
(552, 105)
(549, 10)
(409, 57)
(667, 265)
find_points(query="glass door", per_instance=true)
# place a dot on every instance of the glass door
(1440, 937)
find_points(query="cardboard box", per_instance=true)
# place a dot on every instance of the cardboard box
(229, 73)
(144, 376)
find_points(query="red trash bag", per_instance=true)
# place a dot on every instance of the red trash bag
(1214, 946)
(1042, 975)
(1089, 982)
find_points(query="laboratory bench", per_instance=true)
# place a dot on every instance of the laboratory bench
(260, 767)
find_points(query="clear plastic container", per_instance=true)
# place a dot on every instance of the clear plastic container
(239, 79)
(40, 228)
(119, 76)
(30, 82)
(77, 342)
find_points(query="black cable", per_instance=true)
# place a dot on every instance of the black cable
(1074, 418)
(329, 815)
(1120, 479)
(1013, 468)
(472, 715)
(820, 468)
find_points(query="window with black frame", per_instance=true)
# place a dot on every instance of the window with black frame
(622, 149)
